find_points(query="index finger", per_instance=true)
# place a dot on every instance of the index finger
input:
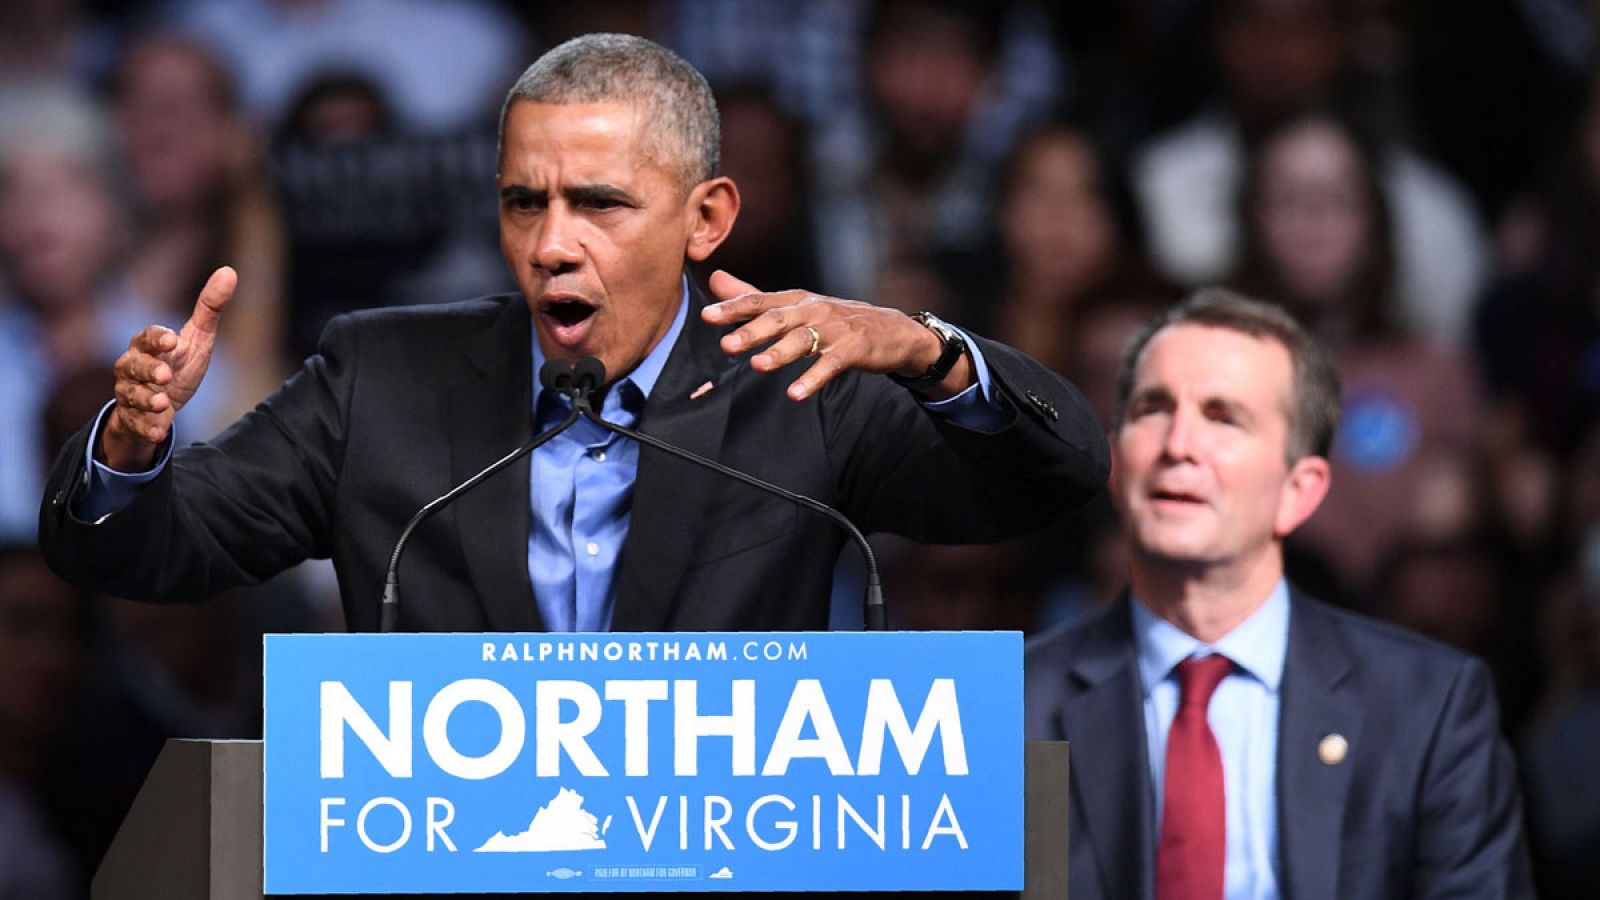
(725, 286)
(154, 340)
(213, 297)
(747, 306)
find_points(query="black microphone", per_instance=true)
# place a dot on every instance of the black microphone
(591, 372)
(555, 375)
(588, 375)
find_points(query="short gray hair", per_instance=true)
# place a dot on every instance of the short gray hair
(1314, 406)
(684, 133)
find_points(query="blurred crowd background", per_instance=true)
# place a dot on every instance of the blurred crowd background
(1418, 180)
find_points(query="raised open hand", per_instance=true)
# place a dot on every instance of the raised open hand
(156, 376)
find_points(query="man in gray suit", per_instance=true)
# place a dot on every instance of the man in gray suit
(1231, 736)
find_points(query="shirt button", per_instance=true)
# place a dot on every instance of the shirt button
(598, 455)
(593, 548)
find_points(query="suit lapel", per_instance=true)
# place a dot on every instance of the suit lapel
(1102, 714)
(1311, 792)
(490, 415)
(669, 495)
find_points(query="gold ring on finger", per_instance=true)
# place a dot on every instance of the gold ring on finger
(816, 341)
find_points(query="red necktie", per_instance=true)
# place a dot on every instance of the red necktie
(1193, 843)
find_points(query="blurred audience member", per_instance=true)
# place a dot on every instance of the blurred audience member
(51, 40)
(763, 151)
(1318, 238)
(1494, 87)
(809, 52)
(1068, 231)
(442, 65)
(1276, 57)
(1133, 67)
(1538, 328)
(1459, 591)
(911, 181)
(339, 109)
(204, 200)
(43, 644)
(1558, 749)
(65, 297)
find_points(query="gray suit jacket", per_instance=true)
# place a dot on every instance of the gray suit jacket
(1425, 803)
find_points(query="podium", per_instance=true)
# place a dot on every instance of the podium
(195, 828)
(851, 764)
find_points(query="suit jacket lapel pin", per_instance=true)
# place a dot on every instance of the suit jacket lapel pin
(1332, 749)
(702, 390)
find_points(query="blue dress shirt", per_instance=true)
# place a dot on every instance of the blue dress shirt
(1243, 716)
(581, 483)
(581, 491)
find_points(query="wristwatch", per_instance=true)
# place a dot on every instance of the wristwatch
(954, 346)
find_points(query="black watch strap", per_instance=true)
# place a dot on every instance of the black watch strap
(954, 347)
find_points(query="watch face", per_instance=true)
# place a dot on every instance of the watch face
(940, 327)
(954, 345)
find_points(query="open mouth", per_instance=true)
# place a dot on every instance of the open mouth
(1175, 497)
(568, 319)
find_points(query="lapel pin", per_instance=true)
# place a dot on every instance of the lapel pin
(1332, 749)
(701, 391)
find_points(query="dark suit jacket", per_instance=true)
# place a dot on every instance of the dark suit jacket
(401, 404)
(1425, 803)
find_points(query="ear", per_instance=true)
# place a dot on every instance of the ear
(712, 206)
(1303, 489)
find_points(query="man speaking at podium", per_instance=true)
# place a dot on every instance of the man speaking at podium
(608, 187)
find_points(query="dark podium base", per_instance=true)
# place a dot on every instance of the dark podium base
(195, 829)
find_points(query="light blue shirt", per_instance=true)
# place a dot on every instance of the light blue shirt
(580, 489)
(1243, 716)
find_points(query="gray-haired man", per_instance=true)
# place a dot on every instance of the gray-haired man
(608, 188)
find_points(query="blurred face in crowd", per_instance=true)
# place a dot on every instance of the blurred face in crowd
(1201, 470)
(1056, 222)
(925, 73)
(596, 230)
(58, 226)
(1312, 214)
(1278, 54)
(340, 110)
(176, 131)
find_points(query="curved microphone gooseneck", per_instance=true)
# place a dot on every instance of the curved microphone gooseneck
(589, 373)
(555, 375)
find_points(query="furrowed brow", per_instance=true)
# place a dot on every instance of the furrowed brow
(520, 192)
(589, 193)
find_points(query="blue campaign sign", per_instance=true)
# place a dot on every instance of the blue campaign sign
(643, 762)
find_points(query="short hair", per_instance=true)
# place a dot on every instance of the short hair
(684, 132)
(1314, 407)
(62, 121)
